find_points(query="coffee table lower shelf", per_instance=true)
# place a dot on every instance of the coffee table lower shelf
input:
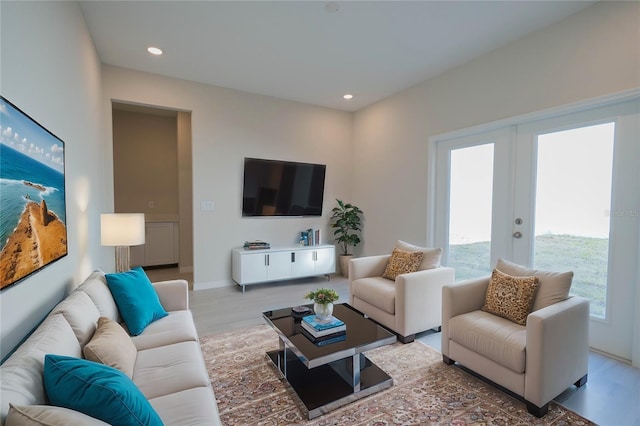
(327, 387)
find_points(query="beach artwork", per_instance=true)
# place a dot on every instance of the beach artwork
(33, 231)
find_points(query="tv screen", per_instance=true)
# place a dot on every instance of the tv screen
(282, 188)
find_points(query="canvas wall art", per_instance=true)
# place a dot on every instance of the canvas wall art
(33, 230)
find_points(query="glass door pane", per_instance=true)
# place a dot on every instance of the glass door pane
(470, 210)
(572, 202)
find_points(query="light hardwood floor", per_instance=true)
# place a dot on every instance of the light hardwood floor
(611, 396)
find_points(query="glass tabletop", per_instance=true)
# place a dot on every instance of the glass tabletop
(362, 334)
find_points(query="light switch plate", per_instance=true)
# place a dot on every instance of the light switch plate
(207, 206)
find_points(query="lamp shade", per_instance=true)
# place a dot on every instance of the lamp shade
(122, 229)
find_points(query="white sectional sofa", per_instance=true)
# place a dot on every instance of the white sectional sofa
(169, 368)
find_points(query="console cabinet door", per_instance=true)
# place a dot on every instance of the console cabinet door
(160, 244)
(325, 262)
(160, 248)
(279, 265)
(253, 268)
(303, 263)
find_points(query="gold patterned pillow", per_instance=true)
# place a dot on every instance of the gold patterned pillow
(402, 262)
(510, 297)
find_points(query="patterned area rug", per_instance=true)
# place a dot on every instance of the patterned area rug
(425, 391)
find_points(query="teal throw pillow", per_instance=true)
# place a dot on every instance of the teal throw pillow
(96, 390)
(136, 298)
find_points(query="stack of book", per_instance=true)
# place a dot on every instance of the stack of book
(256, 245)
(325, 332)
(310, 237)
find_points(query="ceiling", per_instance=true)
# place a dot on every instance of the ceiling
(308, 51)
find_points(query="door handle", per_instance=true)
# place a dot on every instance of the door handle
(517, 234)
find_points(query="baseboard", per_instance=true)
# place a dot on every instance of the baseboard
(608, 355)
(207, 285)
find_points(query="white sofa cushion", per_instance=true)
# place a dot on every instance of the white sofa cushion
(48, 415)
(494, 337)
(80, 313)
(377, 291)
(170, 369)
(96, 288)
(177, 327)
(21, 374)
(192, 407)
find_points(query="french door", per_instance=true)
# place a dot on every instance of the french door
(560, 193)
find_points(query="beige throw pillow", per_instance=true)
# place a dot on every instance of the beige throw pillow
(430, 256)
(402, 262)
(553, 287)
(112, 346)
(510, 297)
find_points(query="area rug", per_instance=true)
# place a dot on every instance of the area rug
(249, 390)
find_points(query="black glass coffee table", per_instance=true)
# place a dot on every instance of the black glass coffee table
(330, 376)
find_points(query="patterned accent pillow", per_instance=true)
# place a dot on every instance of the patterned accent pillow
(553, 287)
(510, 297)
(402, 262)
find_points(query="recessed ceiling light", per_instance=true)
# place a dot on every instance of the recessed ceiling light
(348, 96)
(154, 50)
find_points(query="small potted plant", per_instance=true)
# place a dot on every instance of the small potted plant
(323, 299)
(347, 222)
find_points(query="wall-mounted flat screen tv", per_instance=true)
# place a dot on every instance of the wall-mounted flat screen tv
(282, 188)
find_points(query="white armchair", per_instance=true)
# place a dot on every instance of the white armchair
(411, 304)
(537, 361)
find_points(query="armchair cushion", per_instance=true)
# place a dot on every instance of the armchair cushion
(376, 291)
(553, 287)
(430, 256)
(495, 338)
(402, 262)
(510, 297)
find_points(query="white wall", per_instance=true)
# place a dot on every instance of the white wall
(590, 54)
(228, 125)
(50, 70)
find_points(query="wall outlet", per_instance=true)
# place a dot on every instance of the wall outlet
(207, 206)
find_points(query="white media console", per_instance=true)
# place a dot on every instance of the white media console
(260, 266)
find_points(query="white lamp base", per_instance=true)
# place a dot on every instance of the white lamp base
(122, 258)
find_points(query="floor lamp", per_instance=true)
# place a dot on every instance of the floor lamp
(122, 230)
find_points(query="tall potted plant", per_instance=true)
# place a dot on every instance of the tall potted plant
(346, 222)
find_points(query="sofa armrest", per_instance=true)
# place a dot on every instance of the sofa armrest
(461, 298)
(419, 299)
(557, 349)
(173, 294)
(370, 266)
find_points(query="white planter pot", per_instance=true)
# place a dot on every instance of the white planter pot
(323, 310)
